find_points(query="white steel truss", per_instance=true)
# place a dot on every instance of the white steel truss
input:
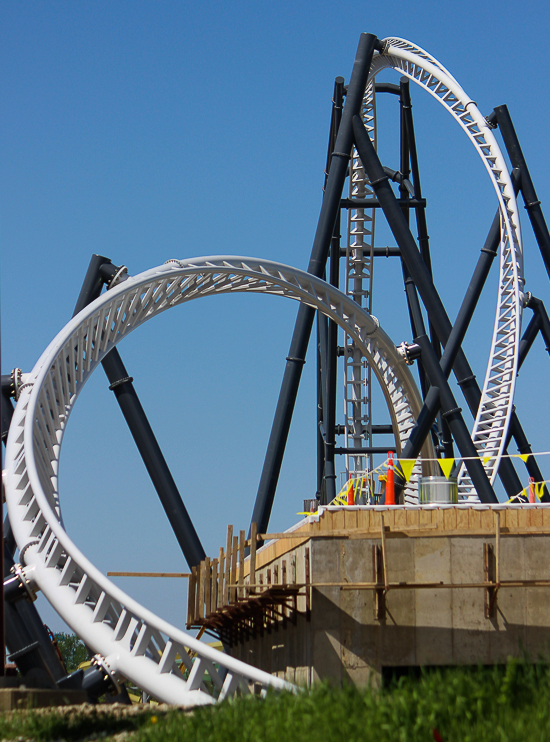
(137, 644)
(359, 277)
(493, 415)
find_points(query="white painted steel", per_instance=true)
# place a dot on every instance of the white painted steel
(493, 416)
(359, 275)
(137, 644)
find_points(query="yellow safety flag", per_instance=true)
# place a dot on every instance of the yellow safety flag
(539, 489)
(523, 457)
(446, 466)
(486, 459)
(407, 467)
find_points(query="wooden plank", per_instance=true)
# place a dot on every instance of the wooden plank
(227, 565)
(200, 578)
(350, 519)
(461, 519)
(412, 517)
(252, 572)
(487, 520)
(389, 519)
(523, 518)
(242, 539)
(214, 587)
(363, 519)
(307, 581)
(149, 574)
(192, 597)
(449, 519)
(511, 518)
(284, 582)
(338, 520)
(235, 548)
(474, 519)
(221, 580)
(207, 585)
(292, 578)
(400, 519)
(384, 553)
(424, 517)
(438, 518)
(536, 517)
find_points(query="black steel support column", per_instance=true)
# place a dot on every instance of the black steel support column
(317, 263)
(329, 489)
(155, 463)
(331, 374)
(423, 237)
(528, 339)
(452, 412)
(532, 203)
(424, 284)
(320, 419)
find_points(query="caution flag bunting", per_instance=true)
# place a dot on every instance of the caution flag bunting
(446, 466)
(407, 466)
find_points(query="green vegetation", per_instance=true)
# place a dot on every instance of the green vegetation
(510, 704)
(70, 724)
(72, 650)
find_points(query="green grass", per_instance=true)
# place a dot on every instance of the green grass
(51, 724)
(505, 705)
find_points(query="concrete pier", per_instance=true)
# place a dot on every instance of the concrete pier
(403, 587)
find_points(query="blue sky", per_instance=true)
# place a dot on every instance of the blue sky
(150, 130)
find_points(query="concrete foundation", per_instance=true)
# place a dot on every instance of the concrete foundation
(462, 585)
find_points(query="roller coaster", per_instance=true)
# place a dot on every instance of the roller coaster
(130, 642)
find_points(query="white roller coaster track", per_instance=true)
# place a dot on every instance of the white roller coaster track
(135, 643)
(493, 415)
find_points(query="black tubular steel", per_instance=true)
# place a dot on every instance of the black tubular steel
(539, 309)
(331, 375)
(382, 430)
(452, 412)
(6, 413)
(374, 203)
(153, 459)
(489, 252)
(337, 103)
(415, 313)
(365, 449)
(540, 321)
(335, 118)
(317, 263)
(528, 339)
(320, 441)
(532, 203)
(142, 432)
(422, 428)
(28, 641)
(424, 284)
(329, 489)
(9, 538)
(21, 626)
(387, 87)
(92, 284)
(423, 238)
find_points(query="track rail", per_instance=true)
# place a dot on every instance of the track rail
(137, 644)
(493, 416)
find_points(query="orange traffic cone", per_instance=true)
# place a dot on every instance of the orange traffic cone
(390, 481)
